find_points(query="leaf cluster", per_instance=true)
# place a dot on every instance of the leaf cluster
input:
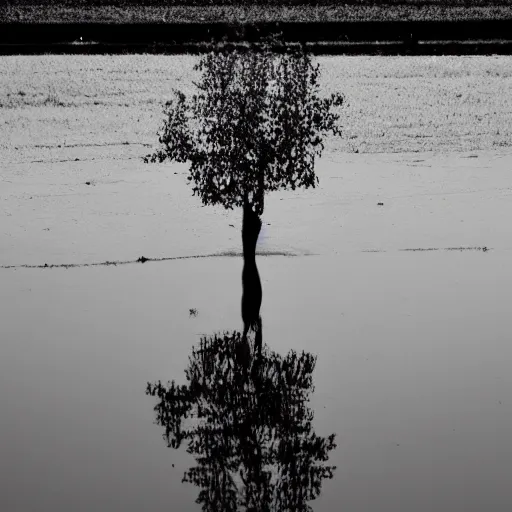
(255, 125)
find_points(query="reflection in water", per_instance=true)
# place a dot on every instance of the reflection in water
(250, 432)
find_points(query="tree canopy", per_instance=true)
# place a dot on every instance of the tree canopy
(255, 124)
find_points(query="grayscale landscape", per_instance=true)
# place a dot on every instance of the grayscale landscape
(393, 272)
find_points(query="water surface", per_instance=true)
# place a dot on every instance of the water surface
(412, 374)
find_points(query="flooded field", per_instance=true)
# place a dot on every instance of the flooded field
(394, 273)
(412, 374)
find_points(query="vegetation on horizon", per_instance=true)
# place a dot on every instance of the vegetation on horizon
(158, 11)
(299, 3)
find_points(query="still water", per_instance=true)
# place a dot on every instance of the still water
(412, 374)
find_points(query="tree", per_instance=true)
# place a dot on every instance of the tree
(255, 125)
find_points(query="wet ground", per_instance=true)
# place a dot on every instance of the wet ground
(413, 345)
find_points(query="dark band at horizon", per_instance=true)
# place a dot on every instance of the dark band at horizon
(428, 37)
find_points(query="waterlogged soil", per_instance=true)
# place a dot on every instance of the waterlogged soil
(394, 272)
(113, 211)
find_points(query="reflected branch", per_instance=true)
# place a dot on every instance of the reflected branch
(252, 438)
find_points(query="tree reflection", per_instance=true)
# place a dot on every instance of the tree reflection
(250, 431)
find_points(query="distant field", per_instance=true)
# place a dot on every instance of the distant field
(153, 11)
(394, 104)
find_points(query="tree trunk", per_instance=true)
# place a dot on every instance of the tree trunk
(251, 284)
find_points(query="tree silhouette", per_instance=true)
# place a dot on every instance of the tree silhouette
(250, 432)
(255, 125)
